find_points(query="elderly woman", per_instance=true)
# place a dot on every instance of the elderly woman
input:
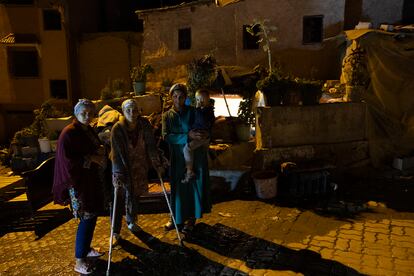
(189, 200)
(79, 158)
(133, 149)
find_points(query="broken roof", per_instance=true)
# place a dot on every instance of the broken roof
(219, 3)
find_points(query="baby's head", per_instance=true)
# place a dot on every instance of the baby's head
(202, 98)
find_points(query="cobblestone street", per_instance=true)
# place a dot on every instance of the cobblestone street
(239, 237)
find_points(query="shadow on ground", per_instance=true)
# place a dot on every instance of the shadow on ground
(261, 254)
(162, 259)
(42, 222)
(356, 187)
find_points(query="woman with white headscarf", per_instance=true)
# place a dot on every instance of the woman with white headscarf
(133, 149)
(79, 158)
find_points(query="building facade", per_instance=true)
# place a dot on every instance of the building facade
(61, 50)
(174, 36)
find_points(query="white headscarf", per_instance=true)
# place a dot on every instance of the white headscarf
(83, 103)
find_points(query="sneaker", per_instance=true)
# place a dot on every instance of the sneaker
(134, 228)
(82, 267)
(94, 253)
(190, 175)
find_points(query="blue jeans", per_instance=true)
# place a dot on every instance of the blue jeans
(84, 237)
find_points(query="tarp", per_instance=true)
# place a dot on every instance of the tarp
(390, 95)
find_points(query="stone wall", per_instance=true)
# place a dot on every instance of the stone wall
(334, 133)
(220, 31)
(282, 126)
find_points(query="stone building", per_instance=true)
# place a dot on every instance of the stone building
(173, 36)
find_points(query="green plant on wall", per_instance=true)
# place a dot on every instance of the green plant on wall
(201, 73)
(267, 36)
(38, 127)
(139, 73)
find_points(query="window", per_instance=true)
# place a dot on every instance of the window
(184, 39)
(23, 62)
(139, 26)
(312, 29)
(51, 20)
(250, 41)
(58, 89)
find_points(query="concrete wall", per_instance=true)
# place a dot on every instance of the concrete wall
(52, 56)
(219, 31)
(283, 126)
(106, 56)
(19, 96)
(382, 11)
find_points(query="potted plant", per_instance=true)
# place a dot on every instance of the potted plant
(139, 77)
(201, 73)
(273, 87)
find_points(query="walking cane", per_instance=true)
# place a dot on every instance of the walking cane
(169, 207)
(112, 230)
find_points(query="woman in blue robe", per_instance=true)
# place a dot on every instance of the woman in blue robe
(188, 200)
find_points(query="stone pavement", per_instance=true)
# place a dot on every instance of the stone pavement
(240, 237)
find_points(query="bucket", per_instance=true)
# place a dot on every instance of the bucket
(44, 145)
(266, 184)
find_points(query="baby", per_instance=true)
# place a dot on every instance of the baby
(203, 122)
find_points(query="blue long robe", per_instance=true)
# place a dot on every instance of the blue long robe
(189, 200)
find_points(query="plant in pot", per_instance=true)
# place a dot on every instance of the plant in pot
(245, 119)
(273, 87)
(138, 76)
(201, 74)
(355, 73)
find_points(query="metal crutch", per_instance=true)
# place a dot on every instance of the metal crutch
(169, 207)
(112, 229)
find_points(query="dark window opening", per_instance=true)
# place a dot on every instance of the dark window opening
(23, 63)
(58, 89)
(312, 29)
(140, 26)
(184, 39)
(51, 20)
(250, 41)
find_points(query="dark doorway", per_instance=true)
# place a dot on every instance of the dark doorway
(352, 15)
